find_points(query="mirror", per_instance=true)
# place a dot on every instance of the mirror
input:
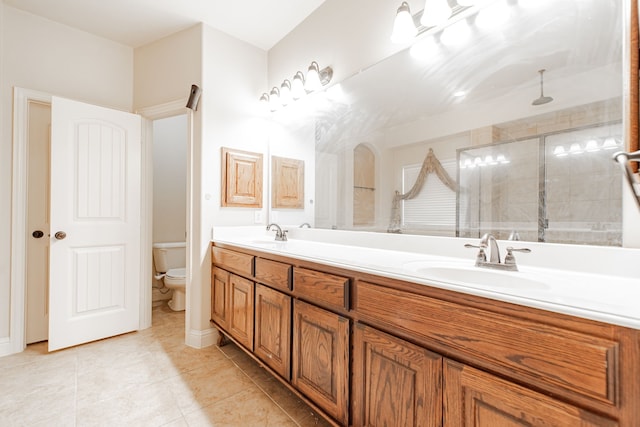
(519, 102)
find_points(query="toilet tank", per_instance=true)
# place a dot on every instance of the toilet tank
(169, 255)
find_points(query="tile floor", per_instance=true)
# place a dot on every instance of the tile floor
(146, 378)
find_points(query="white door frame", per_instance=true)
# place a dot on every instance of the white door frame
(21, 99)
(149, 114)
(17, 337)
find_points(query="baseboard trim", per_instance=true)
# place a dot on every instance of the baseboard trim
(202, 339)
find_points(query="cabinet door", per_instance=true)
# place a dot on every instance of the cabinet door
(395, 383)
(273, 329)
(241, 310)
(321, 358)
(473, 398)
(220, 297)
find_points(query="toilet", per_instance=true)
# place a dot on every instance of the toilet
(169, 260)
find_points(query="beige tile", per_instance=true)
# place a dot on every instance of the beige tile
(248, 408)
(145, 378)
(105, 382)
(204, 386)
(184, 358)
(146, 405)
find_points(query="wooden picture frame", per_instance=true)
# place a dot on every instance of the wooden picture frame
(287, 183)
(241, 178)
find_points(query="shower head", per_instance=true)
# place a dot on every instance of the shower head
(543, 99)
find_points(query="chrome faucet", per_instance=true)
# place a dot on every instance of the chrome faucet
(281, 235)
(488, 242)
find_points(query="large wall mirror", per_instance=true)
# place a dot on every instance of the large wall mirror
(505, 122)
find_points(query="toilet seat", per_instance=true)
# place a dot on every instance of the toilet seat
(176, 273)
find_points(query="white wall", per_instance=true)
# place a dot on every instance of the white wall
(170, 179)
(39, 54)
(164, 70)
(234, 77)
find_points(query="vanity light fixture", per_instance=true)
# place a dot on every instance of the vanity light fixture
(456, 34)
(274, 99)
(404, 28)
(297, 86)
(575, 148)
(559, 151)
(493, 16)
(592, 146)
(610, 143)
(285, 92)
(436, 12)
(502, 159)
(316, 77)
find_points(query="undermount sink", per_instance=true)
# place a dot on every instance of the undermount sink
(475, 276)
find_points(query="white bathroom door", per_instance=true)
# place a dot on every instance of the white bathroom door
(95, 223)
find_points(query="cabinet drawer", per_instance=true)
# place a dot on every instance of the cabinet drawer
(548, 356)
(233, 261)
(273, 273)
(321, 287)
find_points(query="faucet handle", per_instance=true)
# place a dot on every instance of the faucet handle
(481, 257)
(509, 258)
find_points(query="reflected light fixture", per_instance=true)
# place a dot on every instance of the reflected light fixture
(274, 99)
(456, 34)
(264, 99)
(436, 12)
(285, 92)
(404, 29)
(493, 16)
(610, 143)
(297, 86)
(575, 148)
(559, 151)
(592, 146)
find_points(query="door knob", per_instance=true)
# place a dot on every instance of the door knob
(37, 234)
(60, 235)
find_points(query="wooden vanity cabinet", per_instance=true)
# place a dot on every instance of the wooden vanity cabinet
(395, 383)
(273, 329)
(232, 306)
(321, 358)
(473, 398)
(366, 350)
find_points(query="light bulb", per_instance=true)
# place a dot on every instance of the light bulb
(559, 151)
(592, 146)
(502, 159)
(297, 86)
(312, 81)
(285, 92)
(274, 99)
(610, 143)
(575, 148)
(436, 12)
(456, 34)
(404, 29)
(493, 16)
(425, 49)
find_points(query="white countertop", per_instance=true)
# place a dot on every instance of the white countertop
(590, 282)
